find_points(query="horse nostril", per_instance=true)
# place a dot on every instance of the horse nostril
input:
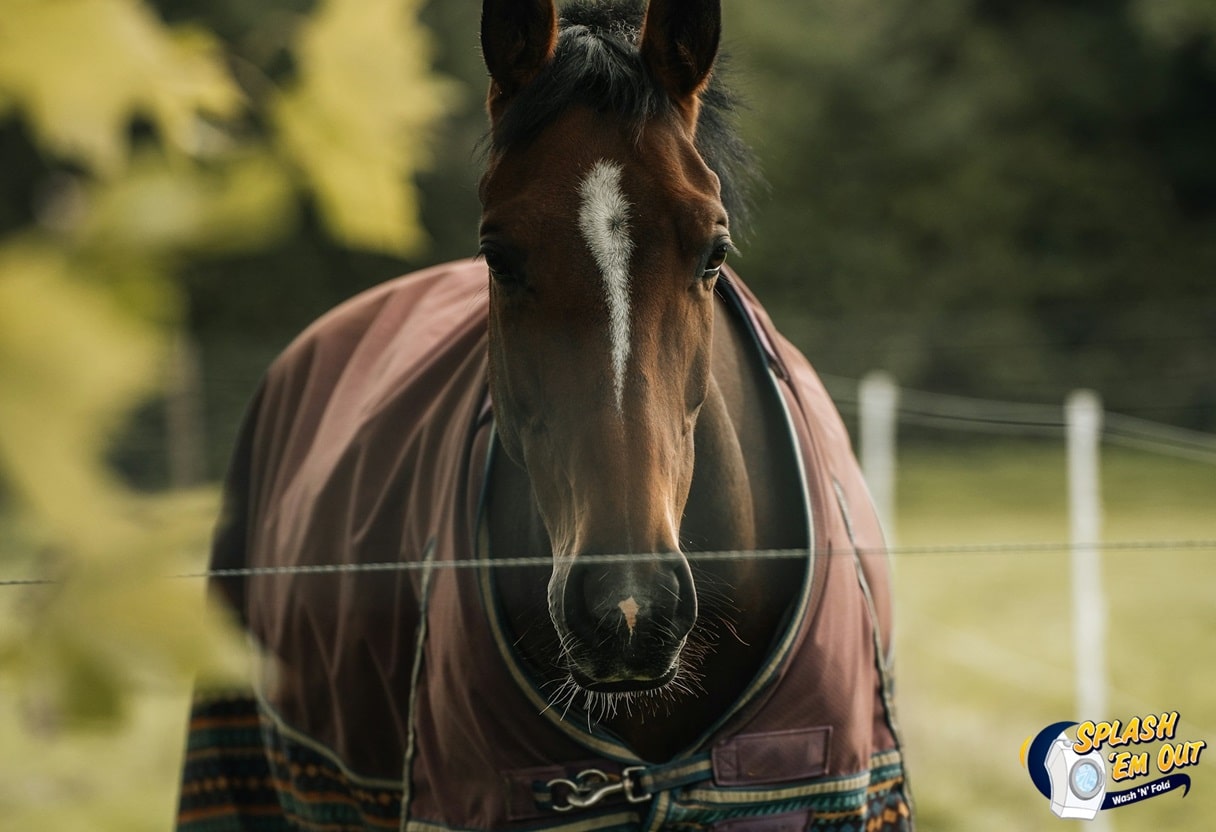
(630, 599)
(686, 596)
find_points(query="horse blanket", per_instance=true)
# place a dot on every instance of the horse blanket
(391, 698)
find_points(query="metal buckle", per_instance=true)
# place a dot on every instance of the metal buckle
(591, 786)
(640, 795)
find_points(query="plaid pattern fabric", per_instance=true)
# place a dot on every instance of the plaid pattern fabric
(242, 774)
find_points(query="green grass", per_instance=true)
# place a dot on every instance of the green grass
(985, 651)
(985, 656)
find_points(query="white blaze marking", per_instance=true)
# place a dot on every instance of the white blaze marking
(630, 609)
(604, 221)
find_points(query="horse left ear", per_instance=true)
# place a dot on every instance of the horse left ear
(518, 38)
(680, 43)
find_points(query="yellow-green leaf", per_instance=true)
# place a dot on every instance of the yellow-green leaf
(160, 207)
(356, 123)
(72, 363)
(80, 69)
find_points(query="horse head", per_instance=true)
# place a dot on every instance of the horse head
(604, 231)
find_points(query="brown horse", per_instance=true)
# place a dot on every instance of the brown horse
(641, 412)
(627, 426)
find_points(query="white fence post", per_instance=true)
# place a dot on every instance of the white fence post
(1083, 413)
(184, 414)
(878, 405)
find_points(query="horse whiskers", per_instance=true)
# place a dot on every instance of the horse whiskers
(718, 608)
(714, 591)
(730, 628)
(566, 646)
(566, 692)
(601, 706)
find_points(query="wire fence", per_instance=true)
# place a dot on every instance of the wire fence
(694, 557)
(915, 408)
(963, 413)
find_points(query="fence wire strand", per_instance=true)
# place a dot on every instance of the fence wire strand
(760, 554)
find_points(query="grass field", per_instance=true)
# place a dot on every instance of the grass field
(985, 655)
(985, 639)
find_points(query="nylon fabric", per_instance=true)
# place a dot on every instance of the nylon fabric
(367, 440)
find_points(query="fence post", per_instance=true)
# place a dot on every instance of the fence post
(1083, 413)
(184, 413)
(878, 404)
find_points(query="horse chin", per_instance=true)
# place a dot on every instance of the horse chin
(631, 671)
(607, 695)
(625, 684)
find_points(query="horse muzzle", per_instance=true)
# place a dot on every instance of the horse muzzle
(623, 624)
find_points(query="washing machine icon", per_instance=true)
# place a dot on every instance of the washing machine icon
(1078, 781)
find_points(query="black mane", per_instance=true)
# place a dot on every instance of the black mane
(597, 64)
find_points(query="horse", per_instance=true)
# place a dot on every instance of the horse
(565, 536)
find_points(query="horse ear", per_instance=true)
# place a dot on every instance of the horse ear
(518, 38)
(680, 42)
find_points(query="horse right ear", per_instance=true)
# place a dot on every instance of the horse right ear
(680, 43)
(518, 38)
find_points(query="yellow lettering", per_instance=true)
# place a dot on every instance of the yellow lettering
(1193, 749)
(1130, 733)
(1178, 755)
(1139, 766)
(1129, 765)
(1121, 761)
(1167, 725)
(1103, 732)
(1092, 735)
(1085, 736)
(1166, 757)
(1148, 727)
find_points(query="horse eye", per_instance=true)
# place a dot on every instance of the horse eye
(717, 258)
(500, 266)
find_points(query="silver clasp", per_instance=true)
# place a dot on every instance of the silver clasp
(591, 786)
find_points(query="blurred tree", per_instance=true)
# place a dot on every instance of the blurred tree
(132, 151)
(992, 197)
(987, 197)
(244, 308)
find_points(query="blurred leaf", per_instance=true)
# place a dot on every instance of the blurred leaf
(356, 123)
(120, 621)
(242, 205)
(72, 363)
(82, 68)
(88, 305)
(74, 360)
(82, 685)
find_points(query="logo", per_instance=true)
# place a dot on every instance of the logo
(1088, 767)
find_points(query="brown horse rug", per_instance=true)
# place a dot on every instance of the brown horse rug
(387, 692)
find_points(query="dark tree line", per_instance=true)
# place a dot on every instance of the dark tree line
(997, 198)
